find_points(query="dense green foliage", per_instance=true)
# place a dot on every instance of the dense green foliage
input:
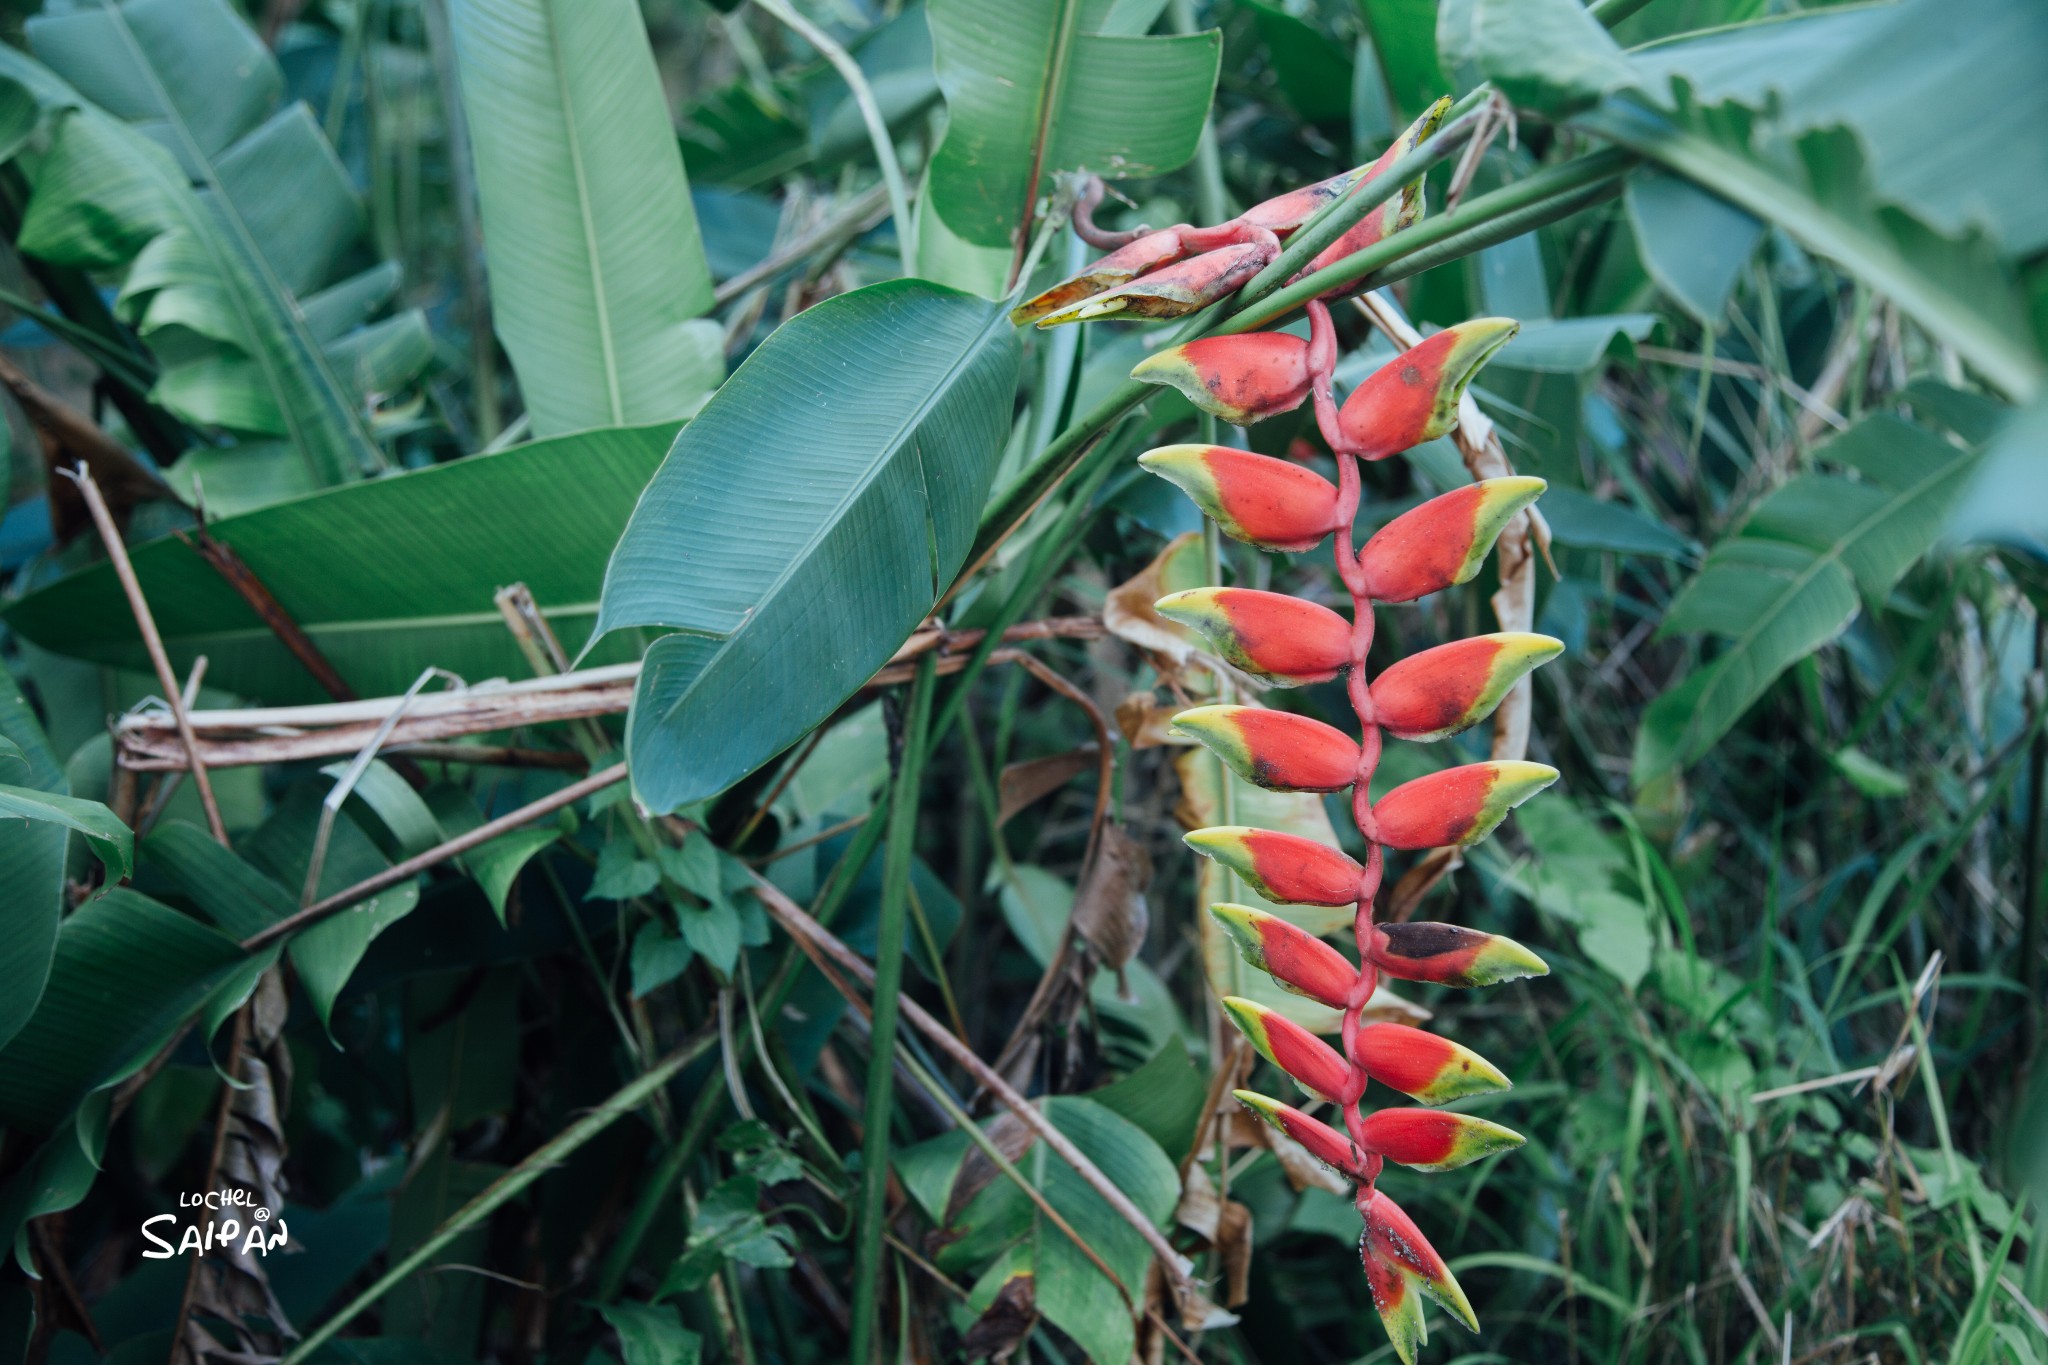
(691, 316)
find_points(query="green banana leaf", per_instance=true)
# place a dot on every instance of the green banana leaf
(598, 277)
(31, 865)
(803, 524)
(1061, 85)
(387, 576)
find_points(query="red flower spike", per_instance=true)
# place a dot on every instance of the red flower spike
(1451, 956)
(1289, 954)
(1424, 1066)
(1443, 690)
(1434, 1139)
(1276, 750)
(1400, 1263)
(1315, 1066)
(1174, 291)
(1443, 542)
(1398, 212)
(1414, 397)
(1253, 498)
(1323, 1142)
(1282, 639)
(1240, 379)
(1458, 805)
(1286, 869)
(1118, 268)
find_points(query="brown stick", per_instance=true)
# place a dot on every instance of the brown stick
(152, 641)
(413, 866)
(793, 918)
(264, 603)
(78, 437)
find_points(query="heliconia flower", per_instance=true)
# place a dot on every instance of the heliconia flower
(1434, 1139)
(1288, 953)
(1284, 868)
(1276, 750)
(1414, 397)
(1450, 955)
(1173, 291)
(1443, 690)
(1459, 805)
(1424, 1066)
(1443, 542)
(1323, 1142)
(1282, 639)
(1401, 1265)
(1240, 379)
(1283, 213)
(1118, 268)
(1315, 1066)
(1253, 498)
(1396, 213)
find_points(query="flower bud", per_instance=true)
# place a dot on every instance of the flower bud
(1118, 268)
(1401, 1266)
(1274, 749)
(1414, 397)
(1282, 639)
(1459, 805)
(1323, 1142)
(1402, 210)
(1284, 213)
(1291, 955)
(1443, 690)
(1240, 379)
(1253, 498)
(1434, 1139)
(1424, 1066)
(1173, 291)
(1450, 955)
(1444, 541)
(1315, 1066)
(1286, 869)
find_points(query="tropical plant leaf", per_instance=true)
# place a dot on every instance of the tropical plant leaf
(598, 277)
(1693, 243)
(1788, 582)
(127, 970)
(803, 524)
(387, 577)
(1036, 89)
(253, 211)
(112, 842)
(31, 867)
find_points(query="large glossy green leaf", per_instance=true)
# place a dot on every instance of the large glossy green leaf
(1789, 581)
(598, 278)
(1032, 89)
(804, 523)
(387, 576)
(127, 970)
(112, 842)
(31, 865)
(252, 212)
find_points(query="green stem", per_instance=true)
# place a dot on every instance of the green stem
(870, 115)
(619, 1259)
(509, 1185)
(874, 1147)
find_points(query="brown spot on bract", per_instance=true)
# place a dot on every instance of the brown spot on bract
(1411, 375)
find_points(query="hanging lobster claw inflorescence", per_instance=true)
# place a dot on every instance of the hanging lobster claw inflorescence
(1290, 642)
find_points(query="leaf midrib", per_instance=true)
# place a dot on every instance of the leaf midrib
(591, 255)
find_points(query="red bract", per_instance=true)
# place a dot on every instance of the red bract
(1323, 1142)
(1450, 955)
(1284, 868)
(1441, 691)
(1113, 271)
(1422, 1065)
(1414, 397)
(1240, 379)
(1400, 1264)
(1173, 291)
(1254, 498)
(1275, 749)
(1289, 954)
(1269, 634)
(1458, 805)
(1443, 542)
(1315, 1065)
(1434, 1139)
(1399, 212)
